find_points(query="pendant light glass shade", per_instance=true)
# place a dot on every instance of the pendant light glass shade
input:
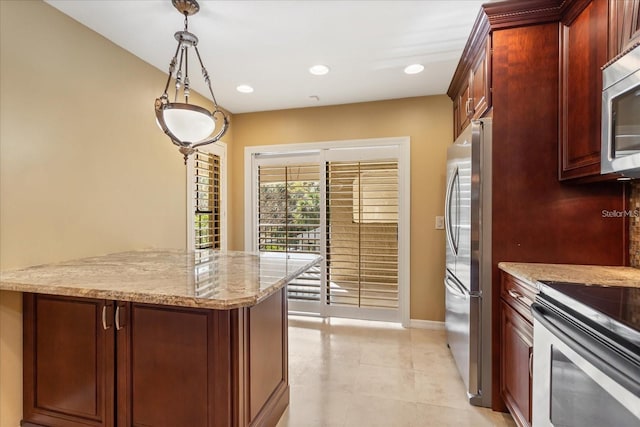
(188, 126)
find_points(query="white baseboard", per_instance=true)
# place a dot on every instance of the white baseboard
(426, 324)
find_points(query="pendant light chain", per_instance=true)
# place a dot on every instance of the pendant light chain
(186, 90)
(205, 74)
(172, 67)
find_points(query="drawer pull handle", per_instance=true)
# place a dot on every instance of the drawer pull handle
(118, 326)
(518, 296)
(104, 318)
(514, 294)
(531, 364)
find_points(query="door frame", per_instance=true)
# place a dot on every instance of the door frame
(403, 146)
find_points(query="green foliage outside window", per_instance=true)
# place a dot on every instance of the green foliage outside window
(290, 216)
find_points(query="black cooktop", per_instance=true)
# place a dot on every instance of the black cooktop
(613, 310)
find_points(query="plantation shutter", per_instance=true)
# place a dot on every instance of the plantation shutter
(362, 234)
(207, 200)
(289, 219)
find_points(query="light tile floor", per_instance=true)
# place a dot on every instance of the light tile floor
(349, 373)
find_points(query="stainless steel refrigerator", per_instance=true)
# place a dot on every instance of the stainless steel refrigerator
(468, 258)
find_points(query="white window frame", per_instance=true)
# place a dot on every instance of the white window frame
(219, 149)
(403, 147)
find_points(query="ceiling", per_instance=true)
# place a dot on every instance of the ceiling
(270, 46)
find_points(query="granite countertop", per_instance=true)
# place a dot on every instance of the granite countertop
(203, 279)
(573, 273)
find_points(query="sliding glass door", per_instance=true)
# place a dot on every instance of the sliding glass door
(344, 205)
(362, 234)
(289, 220)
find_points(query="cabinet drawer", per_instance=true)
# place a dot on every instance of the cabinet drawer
(518, 294)
(516, 364)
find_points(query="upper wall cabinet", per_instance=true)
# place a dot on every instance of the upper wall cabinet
(479, 82)
(583, 51)
(470, 88)
(624, 25)
(592, 33)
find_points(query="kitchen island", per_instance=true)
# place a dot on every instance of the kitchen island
(156, 338)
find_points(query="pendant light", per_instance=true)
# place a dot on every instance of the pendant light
(188, 126)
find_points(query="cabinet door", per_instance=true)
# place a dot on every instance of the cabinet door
(464, 109)
(624, 25)
(267, 358)
(584, 51)
(456, 118)
(68, 361)
(517, 351)
(480, 88)
(174, 366)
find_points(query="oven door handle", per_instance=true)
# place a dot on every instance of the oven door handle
(620, 366)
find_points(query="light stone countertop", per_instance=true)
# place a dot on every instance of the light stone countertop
(573, 273)
(204, 279)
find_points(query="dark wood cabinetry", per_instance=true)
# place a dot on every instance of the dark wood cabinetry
(472, 88)
(583, 53)
(167, 353)
(516, 330)
(68, 362)
(479, 82)
(624, 25)
(461, 118)
(106, 363)
(592, 33)
(535, 216)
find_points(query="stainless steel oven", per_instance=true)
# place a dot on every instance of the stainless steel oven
(585, 372)
(621, 115)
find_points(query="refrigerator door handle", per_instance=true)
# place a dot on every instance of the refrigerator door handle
(454, 288)
(447, 212)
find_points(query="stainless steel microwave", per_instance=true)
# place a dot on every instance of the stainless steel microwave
(621, 115)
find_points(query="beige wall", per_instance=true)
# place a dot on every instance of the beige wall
(84, 170)
(81, 176)
(427, 120)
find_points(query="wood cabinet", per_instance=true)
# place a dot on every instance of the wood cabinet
(624, 25)
(516, 330)
(535, 217)
(69, 362)
(105, 363)
(472, 92)
(583, 53)
(461, 114)
(593, 32)
(165, 354)
(479, 82)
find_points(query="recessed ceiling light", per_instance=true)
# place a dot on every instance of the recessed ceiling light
(319, 70)
(244, 89)
(414, 69)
